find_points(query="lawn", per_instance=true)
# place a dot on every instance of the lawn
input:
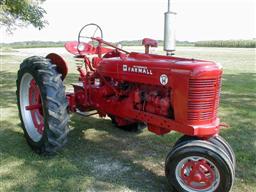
(100, 157)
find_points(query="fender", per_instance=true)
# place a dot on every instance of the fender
(88, 49)
(62, 66)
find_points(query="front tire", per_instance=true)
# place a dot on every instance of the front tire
(42, 105)
(216, 140)
(198, 166)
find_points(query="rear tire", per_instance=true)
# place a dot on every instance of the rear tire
(198, 166)
(42, 105)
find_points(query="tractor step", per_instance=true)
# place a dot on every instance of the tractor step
(79, 84)
(86, 113)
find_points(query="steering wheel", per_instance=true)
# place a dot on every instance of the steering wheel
(83, 34)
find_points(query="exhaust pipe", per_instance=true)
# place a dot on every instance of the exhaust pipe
(169, 31)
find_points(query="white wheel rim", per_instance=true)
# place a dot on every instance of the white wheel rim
(194, 186)
(26, 114)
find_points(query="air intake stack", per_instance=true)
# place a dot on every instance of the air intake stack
(169, 31)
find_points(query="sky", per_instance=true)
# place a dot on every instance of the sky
(135, 19)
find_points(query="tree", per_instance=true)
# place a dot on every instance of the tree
(20, 13)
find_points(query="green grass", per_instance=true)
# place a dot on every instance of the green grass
(99, 157)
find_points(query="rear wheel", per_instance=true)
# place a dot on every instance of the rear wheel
(42, 105)
(198, 166)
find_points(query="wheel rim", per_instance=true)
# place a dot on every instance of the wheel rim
(197, 174)
(31, 107)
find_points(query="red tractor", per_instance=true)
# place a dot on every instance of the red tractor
(164, 92)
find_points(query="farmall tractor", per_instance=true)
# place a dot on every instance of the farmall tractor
(166, 93)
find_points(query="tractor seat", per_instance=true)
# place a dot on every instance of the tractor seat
(147, 42)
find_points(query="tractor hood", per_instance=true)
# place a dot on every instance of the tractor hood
(153, 69)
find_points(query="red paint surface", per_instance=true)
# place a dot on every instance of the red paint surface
(149, 42)
(128, 86)
(72, 47)
(57, 60)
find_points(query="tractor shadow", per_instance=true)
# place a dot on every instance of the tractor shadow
(133, 159)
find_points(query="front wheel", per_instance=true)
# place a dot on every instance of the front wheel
(42, 105)
(199, 166)
(216, 140)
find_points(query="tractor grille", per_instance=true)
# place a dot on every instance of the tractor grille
(203, 99)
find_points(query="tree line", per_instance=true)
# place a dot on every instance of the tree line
(33, 44)
(223, 43)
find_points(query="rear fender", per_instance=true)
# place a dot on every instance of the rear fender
(88, 49)
(62, 66)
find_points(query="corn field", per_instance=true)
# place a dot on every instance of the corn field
(228, 43)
